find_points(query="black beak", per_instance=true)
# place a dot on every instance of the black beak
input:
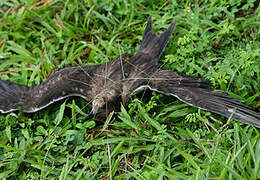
(90, 115)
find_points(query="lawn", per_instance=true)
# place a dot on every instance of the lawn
(154, 136)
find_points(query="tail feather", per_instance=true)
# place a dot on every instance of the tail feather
(11, 95)
(148, 27)
(152, 43)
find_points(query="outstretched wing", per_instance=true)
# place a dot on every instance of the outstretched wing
(190, 90)
(10, 94)
(70, 81)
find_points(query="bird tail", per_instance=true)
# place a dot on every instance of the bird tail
(152, 43)
(191, 91)
(11, 96)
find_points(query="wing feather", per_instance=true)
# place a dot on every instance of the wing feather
(58, 86)
(68, 81)
(192, 93)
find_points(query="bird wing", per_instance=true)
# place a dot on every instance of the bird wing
(191, 90)
(9, 95)
(70, 81)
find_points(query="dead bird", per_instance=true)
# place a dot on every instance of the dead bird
(119, 79)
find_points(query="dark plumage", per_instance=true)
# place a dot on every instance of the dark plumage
(120, 79)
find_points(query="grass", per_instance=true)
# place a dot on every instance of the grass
(155, 136)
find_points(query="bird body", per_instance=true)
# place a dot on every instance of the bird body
(119, 79)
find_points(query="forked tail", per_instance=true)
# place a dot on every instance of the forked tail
(152, 43)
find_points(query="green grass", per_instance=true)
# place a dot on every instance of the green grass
(154, 137)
